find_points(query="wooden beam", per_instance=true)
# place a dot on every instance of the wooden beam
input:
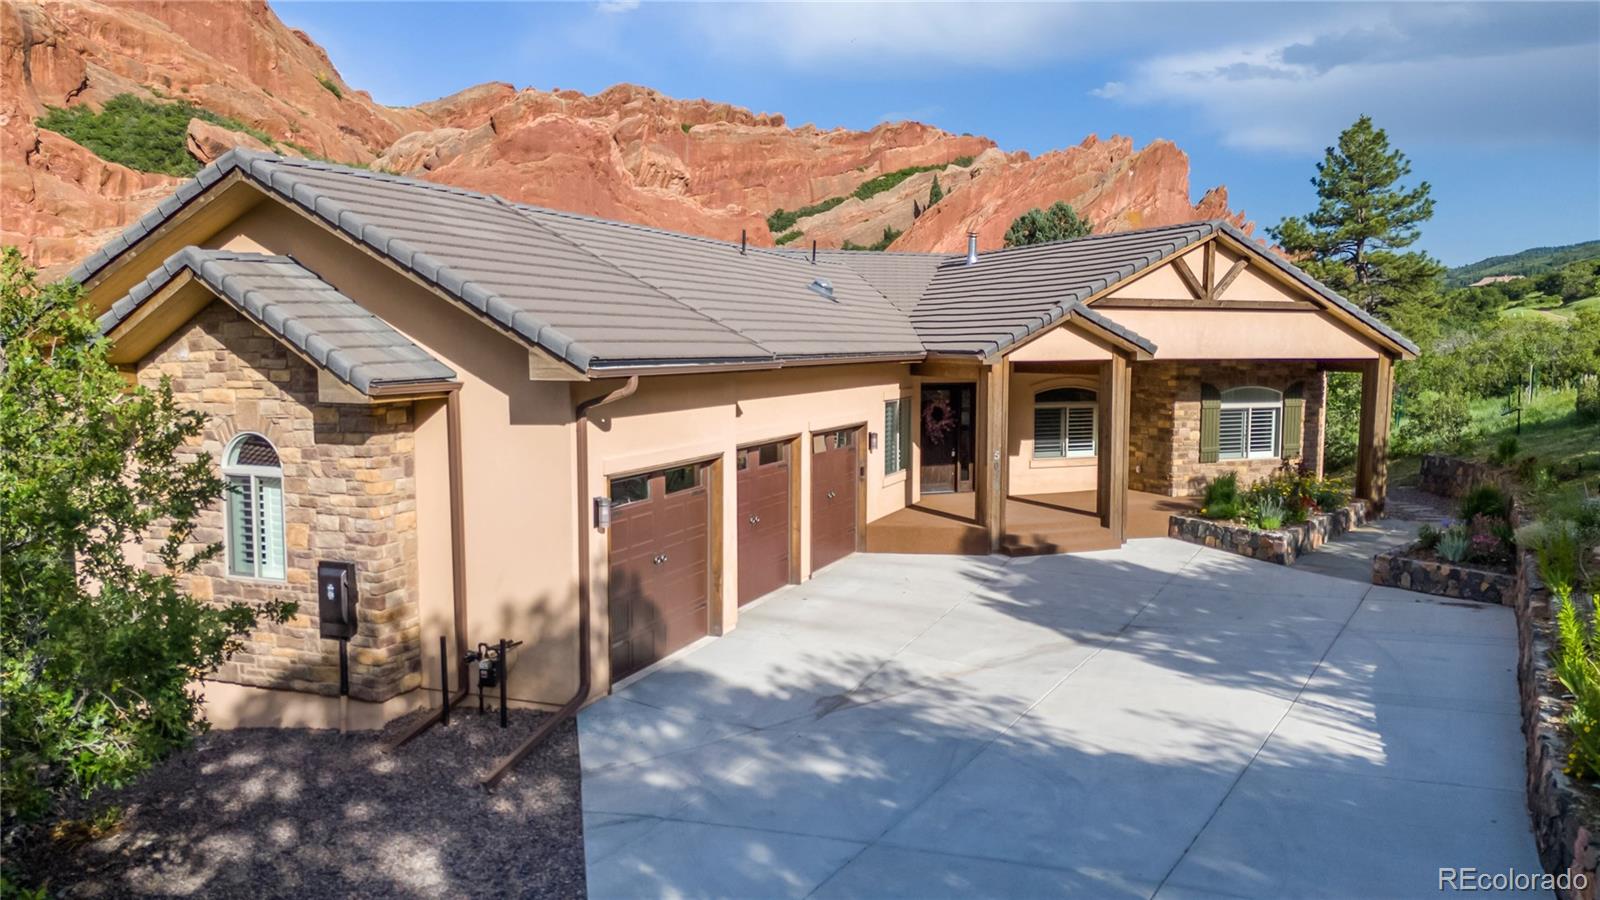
(1189, 281)
(991, 467)
(1116, 399)
(1372, 454)
(1210, 273)
(1296, 305)
(1234, 271)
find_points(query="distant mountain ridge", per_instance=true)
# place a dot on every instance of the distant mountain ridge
(628, 153)
(1533, 261)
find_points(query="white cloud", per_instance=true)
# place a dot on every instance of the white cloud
(1485, 74)
(613, 7)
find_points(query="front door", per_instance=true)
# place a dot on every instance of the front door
(947, 437)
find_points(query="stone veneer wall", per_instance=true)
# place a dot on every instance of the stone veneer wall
(1441, 577)
(1283, 546)
(1449, 476)
(1164, 439)
(1564, 817)
(348, 491)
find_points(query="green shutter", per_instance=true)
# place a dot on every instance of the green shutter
(1210, 422)
(1294, 417)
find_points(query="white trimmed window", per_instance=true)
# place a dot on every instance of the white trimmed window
(254, 507)
(1065, 423)
(896, 438)
(1249, 423)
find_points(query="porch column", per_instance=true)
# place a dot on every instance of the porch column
(1116, 399)
(1372, 455)
(991, 467)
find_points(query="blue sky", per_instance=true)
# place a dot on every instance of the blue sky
(1497, 104)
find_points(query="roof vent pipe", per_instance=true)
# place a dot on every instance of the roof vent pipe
(813, 253)
(741, 242)
(972, 248)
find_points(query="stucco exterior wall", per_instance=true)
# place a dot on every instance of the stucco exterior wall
(1045, 476)
(1164, 434)
(349, 493)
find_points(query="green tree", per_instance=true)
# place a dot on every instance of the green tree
(935, 193)
(1041, 226)
(1364, 217)
(98, 654)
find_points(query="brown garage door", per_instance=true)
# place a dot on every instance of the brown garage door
(660, 526)
(835, 472)
(763, 520)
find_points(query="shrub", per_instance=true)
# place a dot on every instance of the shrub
(1487, 500)
(1587, 403)
(1434, 422)
(1269, 513)
(686, 127)
(963, 161)
(1577, 664)
(141, 134)
(1222, 493)
(788, 237)
(1505, 451)
(1454, 543)
(331, 85)
(782, 220)
(1488, 539)
(1560, 554)
(1428, 537)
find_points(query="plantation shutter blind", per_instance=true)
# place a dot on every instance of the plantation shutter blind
(895, 432)
(269, 500)
(1047, 433)
(1210, 423)
(1080, 430)
(241, 526)
(1263, 429)
(1294, 412)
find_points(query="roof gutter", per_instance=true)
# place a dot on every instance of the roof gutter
(585, 529)
(691, 367)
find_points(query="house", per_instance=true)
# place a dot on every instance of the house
(499, 415)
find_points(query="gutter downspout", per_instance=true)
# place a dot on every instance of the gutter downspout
(581, 414)
(458, 564)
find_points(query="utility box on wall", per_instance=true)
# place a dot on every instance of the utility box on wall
(336, 599)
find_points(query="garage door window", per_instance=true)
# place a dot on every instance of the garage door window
(682, 478)
(630, 490)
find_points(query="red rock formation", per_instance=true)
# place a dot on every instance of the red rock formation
(628, 152)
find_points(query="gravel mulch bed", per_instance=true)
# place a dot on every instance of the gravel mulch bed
(311, 814)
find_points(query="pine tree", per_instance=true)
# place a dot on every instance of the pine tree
(935, 193)
(1041, 226)
(1363, 218)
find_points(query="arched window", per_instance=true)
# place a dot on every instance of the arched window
(1065, 423)
(1249, 423)
(255, 507)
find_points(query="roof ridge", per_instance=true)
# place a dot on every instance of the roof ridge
(1212, 224)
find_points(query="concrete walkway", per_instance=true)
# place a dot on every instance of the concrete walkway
(1160, 720)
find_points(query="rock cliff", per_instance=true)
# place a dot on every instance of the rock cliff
(627, 153)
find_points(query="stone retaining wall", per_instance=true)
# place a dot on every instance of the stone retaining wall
(1448, 476)
(1565, 816)
(1282, 546)
(1442, 578)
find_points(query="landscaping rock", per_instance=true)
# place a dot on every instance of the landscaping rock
(1441, 578)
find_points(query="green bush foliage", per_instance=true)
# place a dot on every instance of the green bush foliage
(1587, 404)
(1505, 450)
(1577, 665)
(98, 653)
(788, 237)
(963, 161)
(1453, 543)
(889, 235)
(1282, 498)
(782, 220)
(1428, 537)
(1434, 422)
(1485, 500)
(1041, 226)
(1269, 513)
(140, 134)
(935, 193)
(1221, 500)
(331, 85)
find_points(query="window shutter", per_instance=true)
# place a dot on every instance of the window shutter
(241, 527)
(1294, 413)
(1263, 425)
(1047, 433)
(891, 440)
(1210, 422)
(270, 501)
(1080, 431)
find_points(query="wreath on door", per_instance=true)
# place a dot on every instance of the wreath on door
(937, 419)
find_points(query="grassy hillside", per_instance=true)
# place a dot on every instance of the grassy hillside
(1535, 261)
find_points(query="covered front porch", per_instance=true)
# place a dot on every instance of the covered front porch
(1035, 524)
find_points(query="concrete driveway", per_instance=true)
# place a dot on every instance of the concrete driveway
(1160, 720)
